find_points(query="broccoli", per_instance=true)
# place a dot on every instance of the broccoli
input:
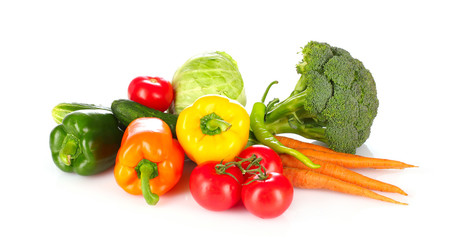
(334, 101)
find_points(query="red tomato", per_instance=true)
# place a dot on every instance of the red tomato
(267, 198)
(270, 159)
(215, 191)
(153, 92)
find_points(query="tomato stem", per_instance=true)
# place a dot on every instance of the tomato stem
(222, 167)
(260, 171)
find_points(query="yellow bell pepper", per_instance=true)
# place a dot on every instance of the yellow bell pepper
(213, 128)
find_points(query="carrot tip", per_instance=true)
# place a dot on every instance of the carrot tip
(400, 191)
(406, 165)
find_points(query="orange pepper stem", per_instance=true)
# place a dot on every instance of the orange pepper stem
(147, 170)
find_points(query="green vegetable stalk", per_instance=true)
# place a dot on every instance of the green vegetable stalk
(86, 142)
(334, 101)
(264, 136)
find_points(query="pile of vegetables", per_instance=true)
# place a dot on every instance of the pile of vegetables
(199, 116)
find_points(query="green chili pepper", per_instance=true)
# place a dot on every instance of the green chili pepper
(264, 136)
(86, 142)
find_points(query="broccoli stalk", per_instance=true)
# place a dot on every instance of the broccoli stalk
(334, 101)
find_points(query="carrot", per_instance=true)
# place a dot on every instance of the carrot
(297, 144)
(308, 179)
(341, 173)
(343, 159)
(355, 161)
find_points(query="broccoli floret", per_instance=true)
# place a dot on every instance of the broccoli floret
(334, 101)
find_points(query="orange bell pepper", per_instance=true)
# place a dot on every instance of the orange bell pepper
(149, 161)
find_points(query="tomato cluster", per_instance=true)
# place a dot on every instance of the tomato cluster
(256, 179)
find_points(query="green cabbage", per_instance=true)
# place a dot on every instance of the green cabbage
(209, 73)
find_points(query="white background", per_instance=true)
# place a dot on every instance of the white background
(89, 51)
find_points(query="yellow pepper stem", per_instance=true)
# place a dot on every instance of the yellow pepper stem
(213, 124)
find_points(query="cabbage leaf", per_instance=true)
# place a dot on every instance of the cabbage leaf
(208, 73)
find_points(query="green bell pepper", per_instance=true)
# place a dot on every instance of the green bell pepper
(86, 142)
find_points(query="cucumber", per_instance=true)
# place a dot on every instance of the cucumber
(62, 109)
(127, 111)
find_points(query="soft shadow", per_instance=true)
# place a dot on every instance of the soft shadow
(362, 150)
(183, 185)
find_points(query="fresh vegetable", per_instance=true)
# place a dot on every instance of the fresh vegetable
(267, 195)
(216, 186)
(265, 157)
(127, 111)
(153, 92)
(356, 161)
(333, 173)
(343, 159)
(209, 73)
(308, 179)
(150, 161)
(334, 101)
(86, 142)
(296, 144)
(343, 174)
(214, 128)
(265, 137)
(61, 110)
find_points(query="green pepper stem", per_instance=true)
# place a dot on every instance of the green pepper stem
(268, 89)
(69, 149)
(146, 173)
